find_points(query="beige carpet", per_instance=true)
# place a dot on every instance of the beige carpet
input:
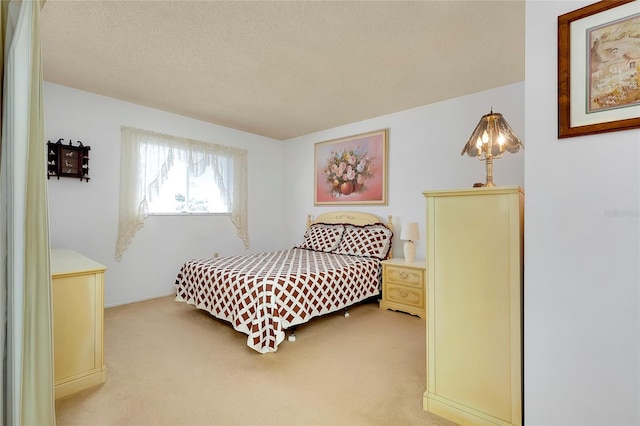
(170, 364)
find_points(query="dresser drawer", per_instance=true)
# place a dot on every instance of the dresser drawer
(404, 276)
(404, 295)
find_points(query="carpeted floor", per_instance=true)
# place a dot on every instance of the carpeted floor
(170, 364)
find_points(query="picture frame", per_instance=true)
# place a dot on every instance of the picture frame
(599, 69)
(351, 170)
(68, 160)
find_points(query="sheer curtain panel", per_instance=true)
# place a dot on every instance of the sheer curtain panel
(145, 160)
(25, 280)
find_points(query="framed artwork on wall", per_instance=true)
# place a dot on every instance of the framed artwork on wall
(599, 68)
(352, 170)
(68, 160)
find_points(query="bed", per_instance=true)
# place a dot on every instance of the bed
(264, 295)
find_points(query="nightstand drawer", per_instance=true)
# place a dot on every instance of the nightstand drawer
(405, 276)
(408, 296)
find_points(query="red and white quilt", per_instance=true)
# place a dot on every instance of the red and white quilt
(263, 294)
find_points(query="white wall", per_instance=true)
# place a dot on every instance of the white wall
(582, 334)
(84, 216)
(424, 154)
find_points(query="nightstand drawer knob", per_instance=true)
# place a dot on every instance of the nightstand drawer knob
(403, 293)
(404, 275)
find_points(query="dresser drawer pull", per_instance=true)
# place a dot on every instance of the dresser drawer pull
(404, 275)
(403, 293)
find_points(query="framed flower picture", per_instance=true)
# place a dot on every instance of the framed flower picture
(352, 170)
(599, 68)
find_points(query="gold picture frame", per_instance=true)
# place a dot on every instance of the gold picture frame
(599, 69)
(352, 170)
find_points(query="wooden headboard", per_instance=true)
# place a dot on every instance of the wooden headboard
(354, 218)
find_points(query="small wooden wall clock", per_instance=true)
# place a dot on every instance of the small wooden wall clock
(67, 160)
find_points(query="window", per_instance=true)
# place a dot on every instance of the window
(183, 192)
(164, 174)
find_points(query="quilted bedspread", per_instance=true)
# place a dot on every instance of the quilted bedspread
(263, 294)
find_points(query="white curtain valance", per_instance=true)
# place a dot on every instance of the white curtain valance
(145, 160)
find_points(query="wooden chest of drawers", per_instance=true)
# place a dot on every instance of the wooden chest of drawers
(475, 243)
(403, 285)
(78, 317)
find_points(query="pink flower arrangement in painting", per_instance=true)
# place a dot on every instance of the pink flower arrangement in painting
(347, 170)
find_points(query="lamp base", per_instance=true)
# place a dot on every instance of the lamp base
(489, 164)
(409, 251)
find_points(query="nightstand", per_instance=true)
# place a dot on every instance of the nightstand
(403, 286)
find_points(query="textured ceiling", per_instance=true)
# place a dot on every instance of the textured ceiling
(283, 69)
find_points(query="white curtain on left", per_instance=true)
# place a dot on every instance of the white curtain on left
(25, 280)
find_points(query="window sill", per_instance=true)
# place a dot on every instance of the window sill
(189, 214)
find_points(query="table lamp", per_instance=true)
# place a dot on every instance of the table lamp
(491, 138)
(410, 234)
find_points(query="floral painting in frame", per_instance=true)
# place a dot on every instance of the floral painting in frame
(352, 170)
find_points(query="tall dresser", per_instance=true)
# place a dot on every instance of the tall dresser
(78, 318)
(474, 305)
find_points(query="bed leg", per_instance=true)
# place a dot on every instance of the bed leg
(292, 335)
(346, 312)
